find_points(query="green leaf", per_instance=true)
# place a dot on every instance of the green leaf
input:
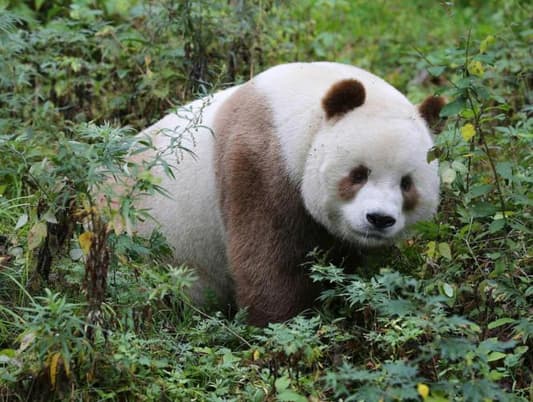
(465, 83)
(496, 225)
(229, 358)
(38, 4)
(282, 383)
(437, 398)
(399, 307)
(499, 269)
(400, 369)
(500, 322)
(468, 131)
(144, 361)
(459, 167)
(485, 43)
(475, 67)
(496, 375)
(36, 235)
(445, 251)
(5, 376)
(448, 290)
(23, 219)
(436, 71)
(7, 354)
(453, 108)
(26, 339)
(480, 189)
(289, 395)
(505, 170)
(76, 254)
(431, 249)
(483, 209)
(496, 356)
(49, 217)
(433, 154)
(448, 175)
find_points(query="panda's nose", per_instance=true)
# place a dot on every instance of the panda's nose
(380, 221)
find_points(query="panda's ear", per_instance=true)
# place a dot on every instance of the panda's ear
(343, 97)
(430, 111)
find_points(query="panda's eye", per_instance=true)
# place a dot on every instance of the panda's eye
(406, 183)
(359, 174)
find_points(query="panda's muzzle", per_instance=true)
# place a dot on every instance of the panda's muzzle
(371, 238)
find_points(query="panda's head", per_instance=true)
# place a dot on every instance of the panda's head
(366, 176)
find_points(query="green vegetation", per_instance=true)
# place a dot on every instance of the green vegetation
(90, 311)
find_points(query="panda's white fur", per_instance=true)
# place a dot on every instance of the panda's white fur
(386, 134)
(189, 217)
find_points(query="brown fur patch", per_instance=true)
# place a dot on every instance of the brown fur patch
(410, 198)
(346, 189)
(343, 97)
(269, 232)
(430, 110)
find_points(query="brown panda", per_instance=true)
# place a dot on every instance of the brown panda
(304, 155)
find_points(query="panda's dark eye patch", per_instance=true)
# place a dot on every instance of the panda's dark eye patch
(407, 183)
(359, 175)
(350, 184)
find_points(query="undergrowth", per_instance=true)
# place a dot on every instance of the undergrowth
(91, 311)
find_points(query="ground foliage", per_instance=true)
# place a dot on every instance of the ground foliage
(90, 311)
